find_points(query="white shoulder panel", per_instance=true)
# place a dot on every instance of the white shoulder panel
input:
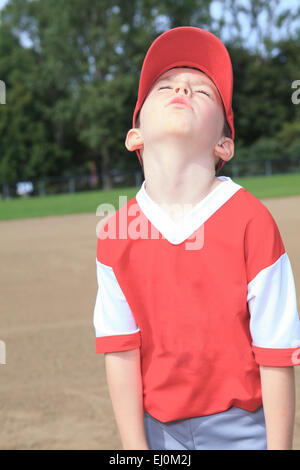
(112, 314)
(274, 319)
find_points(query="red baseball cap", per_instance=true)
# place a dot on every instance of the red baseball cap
(192, 47)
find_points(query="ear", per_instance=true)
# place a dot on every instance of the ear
(224, 149)
(134, 140)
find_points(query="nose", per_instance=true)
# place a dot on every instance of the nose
(183, 88)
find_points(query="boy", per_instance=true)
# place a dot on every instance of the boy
(196, 308)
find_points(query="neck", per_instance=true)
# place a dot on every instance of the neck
(176, 178)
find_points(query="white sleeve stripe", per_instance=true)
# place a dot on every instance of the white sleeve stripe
(274, 319)
(112, 314)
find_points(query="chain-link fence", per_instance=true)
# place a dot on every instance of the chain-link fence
(238, 168)
(62, 185)
(118, 178)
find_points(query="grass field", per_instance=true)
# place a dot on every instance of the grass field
(85, 202)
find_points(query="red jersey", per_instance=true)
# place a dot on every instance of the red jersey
(207, 300)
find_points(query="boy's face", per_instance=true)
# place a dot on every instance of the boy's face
(201, 123)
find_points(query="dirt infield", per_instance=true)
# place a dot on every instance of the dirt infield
(53, 389)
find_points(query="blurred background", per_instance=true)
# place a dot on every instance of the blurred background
(69, 72)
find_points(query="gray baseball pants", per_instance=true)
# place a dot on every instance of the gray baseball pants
(233, 429)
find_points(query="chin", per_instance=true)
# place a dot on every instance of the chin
(179, 127)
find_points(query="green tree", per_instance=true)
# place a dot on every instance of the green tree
(71, 91)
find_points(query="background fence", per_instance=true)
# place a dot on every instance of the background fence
(88, 182)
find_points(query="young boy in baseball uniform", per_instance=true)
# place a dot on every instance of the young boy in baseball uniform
(196, 309)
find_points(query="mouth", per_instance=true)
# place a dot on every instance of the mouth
(179, 105)
(180, 102)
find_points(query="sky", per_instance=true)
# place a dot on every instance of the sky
(250, 37)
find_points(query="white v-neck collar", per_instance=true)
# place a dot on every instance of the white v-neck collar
(178, 232)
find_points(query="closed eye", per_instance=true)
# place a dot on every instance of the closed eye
(162, 87)
(203, 91)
